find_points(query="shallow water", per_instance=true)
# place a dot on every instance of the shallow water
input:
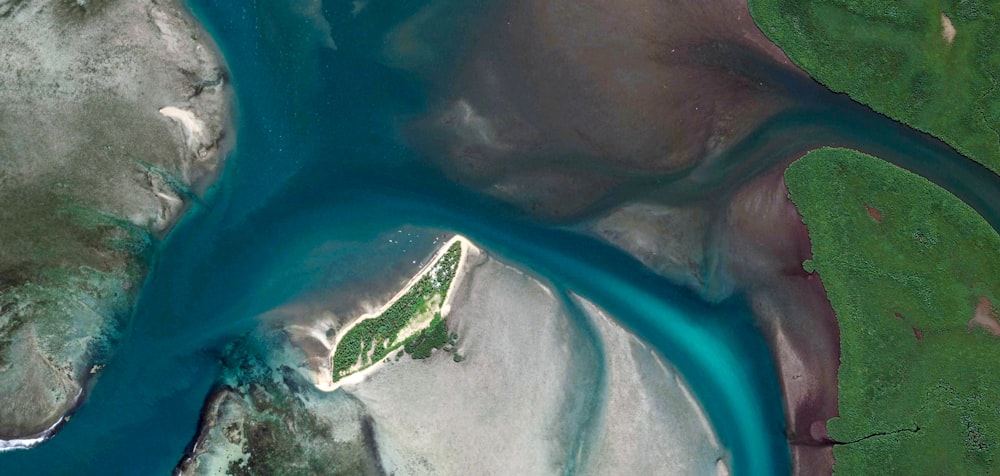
(319, 172)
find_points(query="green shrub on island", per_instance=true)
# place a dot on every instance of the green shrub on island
(906, 266)
(373, 339)
(902, 60)
(423, 344)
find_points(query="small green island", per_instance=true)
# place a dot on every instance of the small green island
(913, 275)
(414, 320)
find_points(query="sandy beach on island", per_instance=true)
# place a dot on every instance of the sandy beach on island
(323, 378)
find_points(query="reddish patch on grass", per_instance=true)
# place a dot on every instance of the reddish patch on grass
(984, 317)
(875, 213)
(897, 315)
(919, 334)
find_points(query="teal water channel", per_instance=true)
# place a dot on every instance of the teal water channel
(319, 171)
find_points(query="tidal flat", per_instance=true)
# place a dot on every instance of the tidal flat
(695, 189)
(621, 167)
(548, 384)
(92, 174)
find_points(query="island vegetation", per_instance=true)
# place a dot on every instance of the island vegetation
(932, 65)
(912, 274)
(370, 340)
(434, 337)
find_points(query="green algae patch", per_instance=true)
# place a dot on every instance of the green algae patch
(372, 339)
(56, 329)
(260, 421)
(930, 64)
(918, 383)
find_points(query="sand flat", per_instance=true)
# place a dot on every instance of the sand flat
(650, 422)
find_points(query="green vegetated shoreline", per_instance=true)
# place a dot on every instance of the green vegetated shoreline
(892, 57)
(71, 273)
(904, 264)
(373, 339)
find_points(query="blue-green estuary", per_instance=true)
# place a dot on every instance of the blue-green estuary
(324, 164)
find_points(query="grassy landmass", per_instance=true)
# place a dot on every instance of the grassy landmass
(371, 340)
(892, 57)
(918, 389)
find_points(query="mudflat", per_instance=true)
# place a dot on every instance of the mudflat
(112, 117)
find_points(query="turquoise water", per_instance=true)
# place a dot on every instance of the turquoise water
(319, 172)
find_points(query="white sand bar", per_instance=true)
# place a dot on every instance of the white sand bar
(194, 128)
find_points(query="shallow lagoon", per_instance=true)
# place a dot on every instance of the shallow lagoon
(318, 173)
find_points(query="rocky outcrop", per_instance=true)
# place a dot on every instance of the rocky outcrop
(112, 114)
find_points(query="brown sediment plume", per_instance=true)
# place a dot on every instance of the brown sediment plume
(985, 317)
(598, 95)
